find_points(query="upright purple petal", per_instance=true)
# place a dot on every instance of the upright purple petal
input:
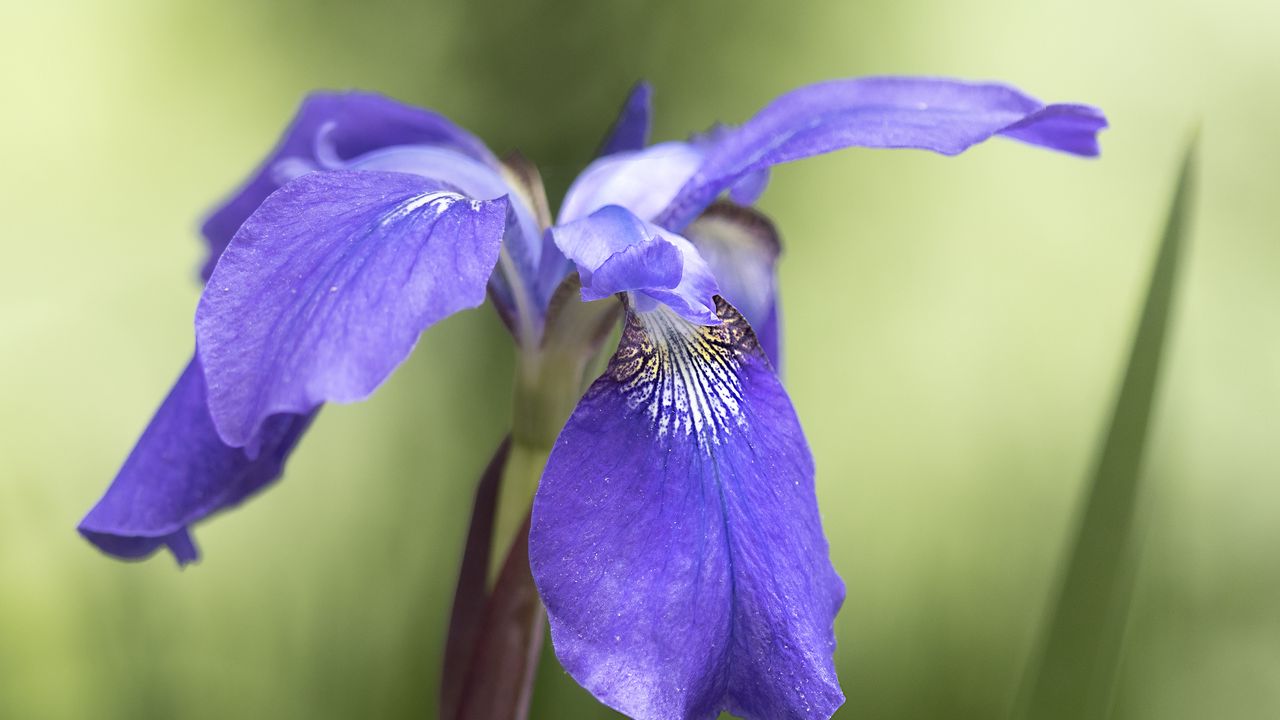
(325, 289)
(942, 115)
(344, 125)
(181, 472)
(631, 130)
(676, 540)
(616, 252)
(644, 182)
(741, 246)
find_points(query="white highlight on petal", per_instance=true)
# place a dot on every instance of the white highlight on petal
(439, 202)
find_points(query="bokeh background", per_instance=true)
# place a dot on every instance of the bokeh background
(955, 327)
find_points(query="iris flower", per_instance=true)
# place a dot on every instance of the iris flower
(675, 537)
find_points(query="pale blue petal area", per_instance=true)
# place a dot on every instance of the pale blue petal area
(942, 115)
(180, 472)
(741, 246)
(615, 251)
(328, 127)
(463, 173)
(644, 181)
(675, 536)
(631, 130)
(326, 288)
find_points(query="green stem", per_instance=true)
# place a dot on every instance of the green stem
(506, 641)
(548, 385)
(519, 482)
(550, 378)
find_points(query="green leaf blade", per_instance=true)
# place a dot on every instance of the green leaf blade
(1072, 674)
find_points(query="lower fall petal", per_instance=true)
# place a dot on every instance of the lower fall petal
(676, 540)
(181, 472)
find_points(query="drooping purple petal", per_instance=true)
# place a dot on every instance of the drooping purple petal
(342, 125)
(644, 182)
(741, 246)
(181, 472)
(615, 252)
(326, 287)
(631, 130)
(942, 115)
(676, 540)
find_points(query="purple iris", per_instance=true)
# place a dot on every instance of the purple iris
(675, 537)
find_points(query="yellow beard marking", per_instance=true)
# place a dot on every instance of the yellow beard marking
(685, 376)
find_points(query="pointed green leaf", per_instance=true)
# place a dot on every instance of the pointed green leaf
(1072, 674)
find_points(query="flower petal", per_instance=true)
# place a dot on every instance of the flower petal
(741, 246)
(325, 289)
(749, 189)
(460, 171)
(352, 124)
(180, 472)
(522, 241)
(644, 181)
(654, 263)
(676, 540)
(631, 130)
(471, 177)
(942, 115)
(615, 251)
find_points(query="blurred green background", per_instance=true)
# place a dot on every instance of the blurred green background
(955, 331)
